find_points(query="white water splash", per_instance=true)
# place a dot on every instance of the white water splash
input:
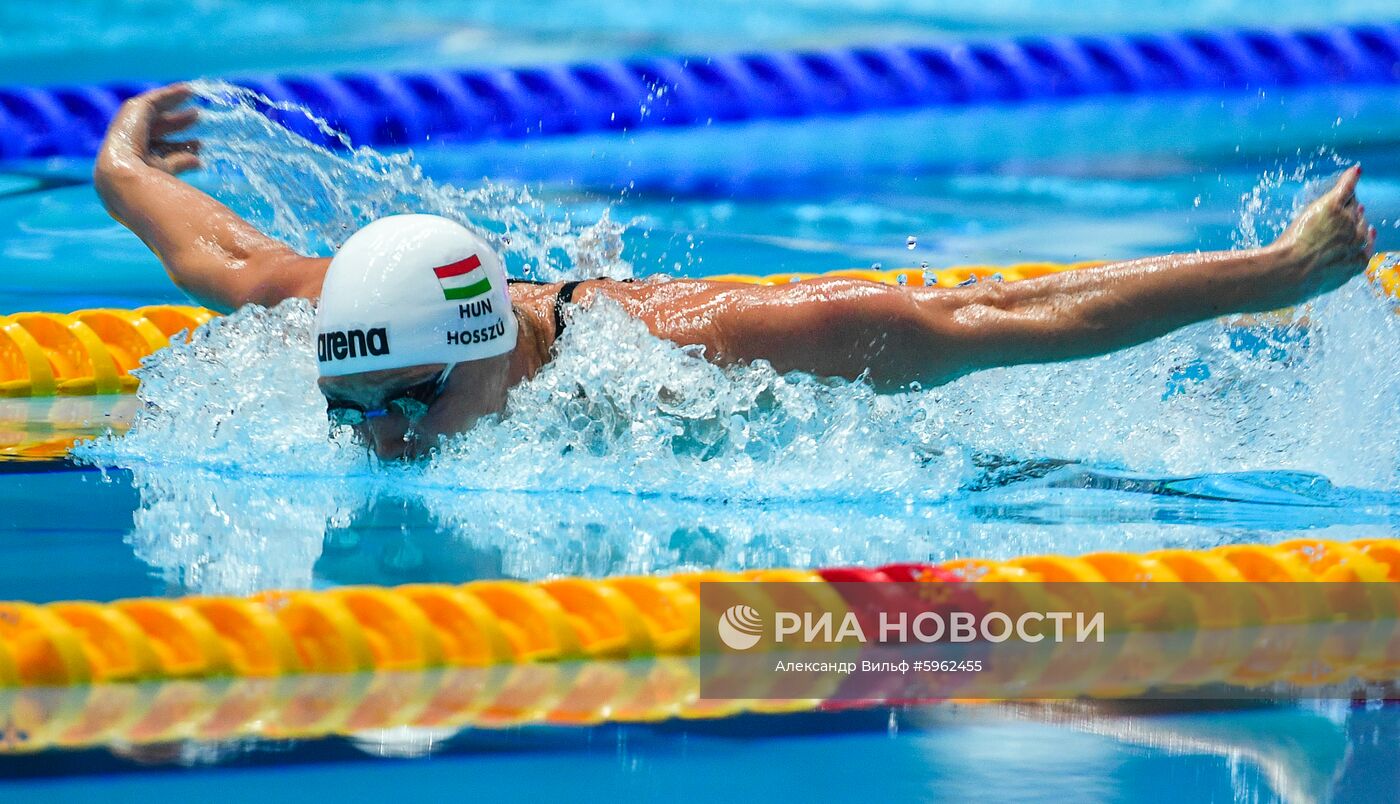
(619, 409)
(1281, 193)
(241, 393)
(623, 410)
(672, 461)
(314, 198)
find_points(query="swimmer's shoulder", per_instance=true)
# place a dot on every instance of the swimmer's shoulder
(645, 291)
(269, 277)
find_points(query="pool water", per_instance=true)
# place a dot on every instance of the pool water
(82, 40)
(946, 754)
(1206, 437)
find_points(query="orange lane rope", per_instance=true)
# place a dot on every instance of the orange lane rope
(94, 351)
(485, 623)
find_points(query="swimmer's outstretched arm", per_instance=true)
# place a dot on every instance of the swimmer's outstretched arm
(901, 335)
(209, 251)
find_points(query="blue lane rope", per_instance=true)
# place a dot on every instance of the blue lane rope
(381, 109)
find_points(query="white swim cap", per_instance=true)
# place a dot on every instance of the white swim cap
(409, 290)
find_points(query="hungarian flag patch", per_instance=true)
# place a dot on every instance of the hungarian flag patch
(464, 279)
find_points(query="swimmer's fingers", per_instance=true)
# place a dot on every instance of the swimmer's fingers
(167, 147)
(176, 156)
(163, 99)
(180, 163)
(173, 122)
(1343, 193)
(145, 109)
(1356, 212)
(1365, 238)
(131, 129)
(1364, 234)
(175, 163)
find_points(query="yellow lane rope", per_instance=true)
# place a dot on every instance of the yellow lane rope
(305, 707)
(485, 623)
(94, 351)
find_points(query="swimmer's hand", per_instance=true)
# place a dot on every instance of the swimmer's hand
(209, 250)
(140, 135)
(1330, 241)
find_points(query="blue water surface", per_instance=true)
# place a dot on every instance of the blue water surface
(1238, 441)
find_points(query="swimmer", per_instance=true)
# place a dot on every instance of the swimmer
(419, 334)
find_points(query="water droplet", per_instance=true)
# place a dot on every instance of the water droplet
(924, 264)
(910, 242)
(876, 266)
(1196, 202)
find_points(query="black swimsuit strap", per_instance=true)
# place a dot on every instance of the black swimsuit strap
(564, 295)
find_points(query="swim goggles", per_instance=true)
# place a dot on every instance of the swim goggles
(413, 402)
